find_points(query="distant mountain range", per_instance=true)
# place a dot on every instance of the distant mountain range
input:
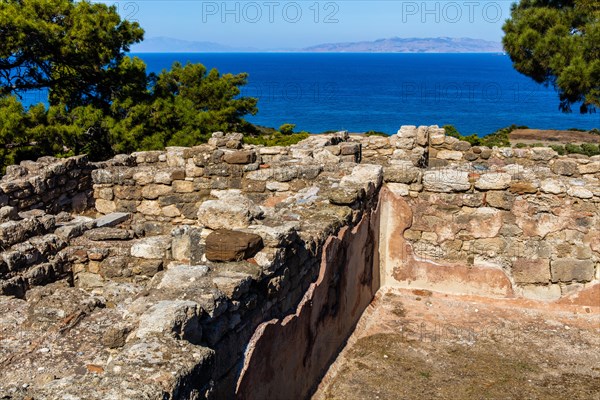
(412, 45)
(163, 44)
(392, 45)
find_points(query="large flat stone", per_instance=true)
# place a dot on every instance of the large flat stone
(228, 245)
(571, 269)
(446, 180)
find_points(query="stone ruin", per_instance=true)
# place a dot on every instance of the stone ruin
(228, 270)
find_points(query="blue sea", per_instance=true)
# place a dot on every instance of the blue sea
(477, 93)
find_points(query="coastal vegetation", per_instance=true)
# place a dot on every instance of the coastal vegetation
(557, 43)
(100, 101)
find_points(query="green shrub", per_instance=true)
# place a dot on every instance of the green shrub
(276, 139)
(560, 149)
(590, 149)
(573, 149)
(287, 129)
(376, 133)
(452, 131)
(520, 145)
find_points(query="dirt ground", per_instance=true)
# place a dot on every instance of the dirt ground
(547, 137)
(423, 345)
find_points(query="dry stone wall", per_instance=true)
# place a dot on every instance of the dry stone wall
(49, 184)
(501, 221)
(190, 265)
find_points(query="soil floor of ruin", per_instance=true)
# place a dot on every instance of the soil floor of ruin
(422, 345)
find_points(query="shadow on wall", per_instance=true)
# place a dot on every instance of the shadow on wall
(287, 358)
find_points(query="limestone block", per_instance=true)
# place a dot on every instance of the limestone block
(542, 153)
(564, 167)
(153, 247)
(105, 206)
(493, 181)
(154, 191)
(552, 186)
(446, 180)
(369, 177)
(407, 131)
(580, 192)
(182, 186)
(149, 207)
(107, 233)
(175, 157)
(590, 168)
(229, 212)
(143, 177)
(181, 277)
(102, 176)
(571, 269)
(531, 270)
(422, 136)
(229, 245)
(437, 135)
(176, 318)
(240, 157)
(399, 189)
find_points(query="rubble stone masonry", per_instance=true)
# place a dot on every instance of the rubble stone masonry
(229, 270)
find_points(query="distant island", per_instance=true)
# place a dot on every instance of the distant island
(391, 45)
(162, 44)
(412, 45)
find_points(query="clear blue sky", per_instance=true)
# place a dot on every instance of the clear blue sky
(291, 24)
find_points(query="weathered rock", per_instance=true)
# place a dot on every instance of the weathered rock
(590, 168)
(240, 157)
(402, 173)
(149, 207)
(151, 247)
(154, 191)
(105, 206)
(580, 192)
(228, 245)
(526, 270)
(182, 276)
(499, 199)
(407, 131)
(147, 267)
(399, 189)
(186, 244)
(232, 211)
(542, 153)
(106, 233)
(115, 336)
(366, 176)
(522, 187)
(8, 213)
(552, 186)
(493, 181)
(345, 195)
(437, 135)
(176, 318)
(446, 180)
(564, 167)
(449, 155)
(570, 269)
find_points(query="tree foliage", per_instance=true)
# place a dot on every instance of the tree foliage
(100, 101)
(557, 43)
